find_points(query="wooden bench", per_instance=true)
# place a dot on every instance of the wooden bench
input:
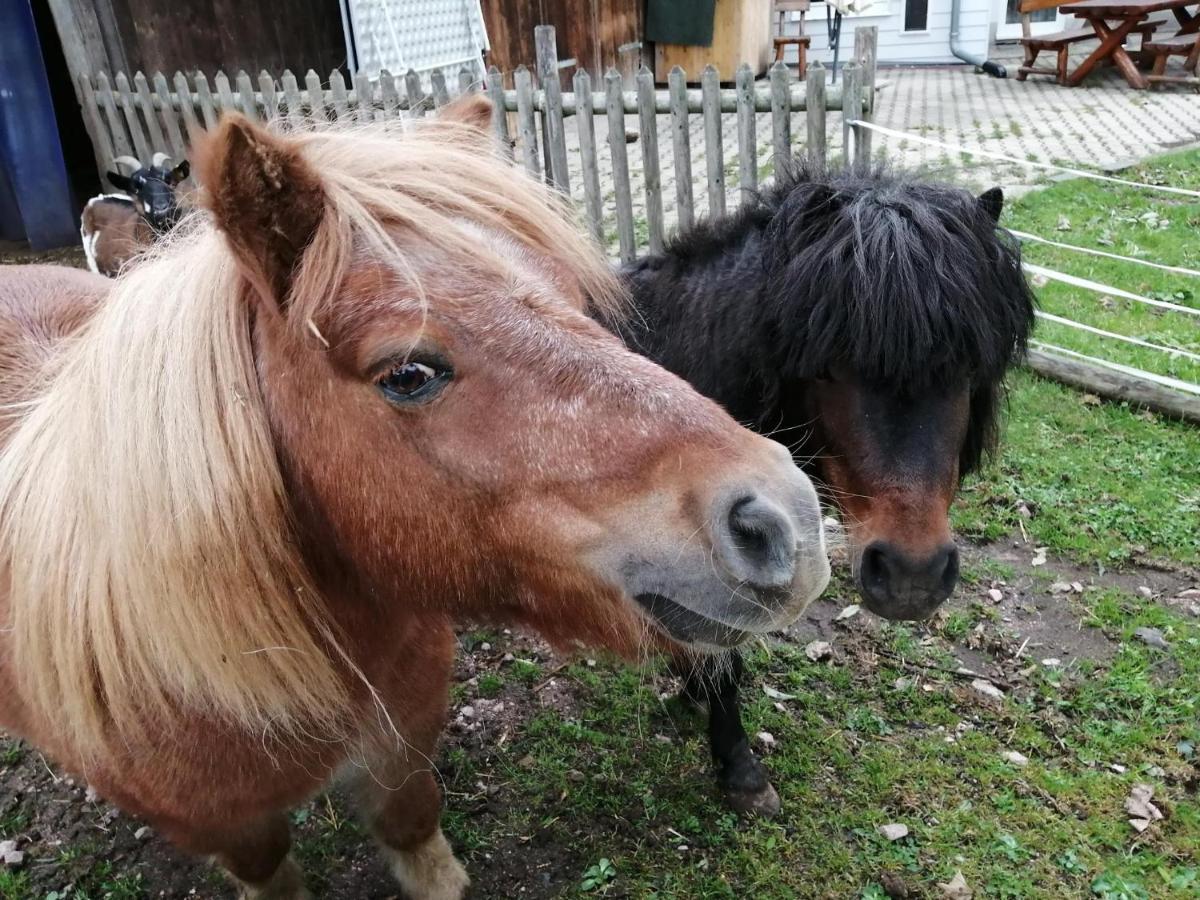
(783, 40)
(1060, 41)
(1185, 45)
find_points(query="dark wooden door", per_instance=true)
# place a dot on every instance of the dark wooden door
(592, 32)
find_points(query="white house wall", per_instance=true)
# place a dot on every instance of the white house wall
(896, 45)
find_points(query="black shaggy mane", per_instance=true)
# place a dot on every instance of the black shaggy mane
(908, 283)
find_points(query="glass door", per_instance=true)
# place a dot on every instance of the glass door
(1008, 16)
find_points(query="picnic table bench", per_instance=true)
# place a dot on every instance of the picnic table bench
(1129, 15)
(1112, 21)
(1059, 42)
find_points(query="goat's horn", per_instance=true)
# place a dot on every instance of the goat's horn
(160, 159)
(133, 163)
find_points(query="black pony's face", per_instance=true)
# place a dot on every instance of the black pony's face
(891, 463)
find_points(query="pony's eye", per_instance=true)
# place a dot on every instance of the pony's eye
(411, 381)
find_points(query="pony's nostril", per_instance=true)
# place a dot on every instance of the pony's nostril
(758, 543)
(874, 570)
(949, 576)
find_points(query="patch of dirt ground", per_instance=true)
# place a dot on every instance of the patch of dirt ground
(14, 253)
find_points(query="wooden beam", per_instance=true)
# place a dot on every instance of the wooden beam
(1117, 386)
(83, 49)
(82, 41)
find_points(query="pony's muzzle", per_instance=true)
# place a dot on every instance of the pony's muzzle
(896, 585)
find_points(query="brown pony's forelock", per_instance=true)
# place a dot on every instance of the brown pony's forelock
(440, 179)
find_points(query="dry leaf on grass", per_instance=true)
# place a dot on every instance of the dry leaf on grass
(955, 889)
(1140, 807)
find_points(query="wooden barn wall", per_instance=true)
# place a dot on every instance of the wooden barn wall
(211, 35)
(589, 31)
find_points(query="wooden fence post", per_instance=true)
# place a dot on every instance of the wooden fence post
(91, 116)
(552, 111)
(416, 96)
(851, 112)
(681, 142)
(208, 107)
(495, 86)
(648, 131)
(866, 40)
(714, 152)
(441, 95)
(747, 143)
(615, 107)
(142, 149)
(781, 115)
(316, 97)
(389, 95)
(814, 113)
(364, 98)
(528, 125)
(584, 121)
(291, 94)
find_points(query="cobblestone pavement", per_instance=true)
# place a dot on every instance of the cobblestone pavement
(1102, 124)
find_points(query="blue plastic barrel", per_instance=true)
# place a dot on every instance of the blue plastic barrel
(30, 152)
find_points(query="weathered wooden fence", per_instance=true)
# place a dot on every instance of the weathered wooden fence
(621, 191)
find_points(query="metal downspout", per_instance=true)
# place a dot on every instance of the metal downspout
(992, 68)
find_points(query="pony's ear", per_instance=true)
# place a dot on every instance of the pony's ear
(992, 201)
(472, 110)
(265, 197)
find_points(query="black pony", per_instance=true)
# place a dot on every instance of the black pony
(866, 320)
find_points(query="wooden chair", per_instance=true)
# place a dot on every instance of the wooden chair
(1160, 49)
(783, 40)
(1060, 41)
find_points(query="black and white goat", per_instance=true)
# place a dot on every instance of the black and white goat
(115, 227)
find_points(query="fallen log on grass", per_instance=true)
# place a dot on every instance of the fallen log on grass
(1115, 384)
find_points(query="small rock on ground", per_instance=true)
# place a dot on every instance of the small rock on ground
(1152, 637)
(818, 650)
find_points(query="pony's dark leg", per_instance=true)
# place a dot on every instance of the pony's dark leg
(743, 779)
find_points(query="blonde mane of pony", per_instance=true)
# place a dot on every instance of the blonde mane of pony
(152, 567)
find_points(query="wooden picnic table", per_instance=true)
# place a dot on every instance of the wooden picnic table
(1128, 15)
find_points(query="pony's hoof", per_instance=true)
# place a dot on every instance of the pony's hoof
(430, 871)
(763, 803)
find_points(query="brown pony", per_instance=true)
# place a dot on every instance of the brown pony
(245, 495)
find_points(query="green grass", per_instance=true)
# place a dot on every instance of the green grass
(1131, 222)
(1105, 483)
(854, 753)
